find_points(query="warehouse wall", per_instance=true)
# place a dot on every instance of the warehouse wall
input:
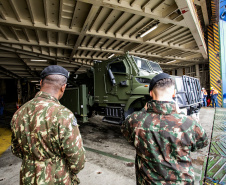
(203, 74)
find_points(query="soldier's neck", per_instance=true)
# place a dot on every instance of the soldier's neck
(51, 92)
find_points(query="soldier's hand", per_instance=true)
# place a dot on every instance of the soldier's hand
(146, 106)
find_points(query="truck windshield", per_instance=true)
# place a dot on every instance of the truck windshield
(156, 67)
(142, 64)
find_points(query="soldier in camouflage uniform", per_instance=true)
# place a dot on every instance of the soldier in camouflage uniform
(45, 135)
(163, 138)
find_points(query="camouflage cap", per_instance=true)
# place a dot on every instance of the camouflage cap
(54, 70)
(156, 79)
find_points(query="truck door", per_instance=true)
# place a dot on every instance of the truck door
(121, 86)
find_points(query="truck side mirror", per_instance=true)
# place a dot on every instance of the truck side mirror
(112, 77)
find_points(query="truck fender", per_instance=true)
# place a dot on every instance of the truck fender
(141, 90)
(131, 100)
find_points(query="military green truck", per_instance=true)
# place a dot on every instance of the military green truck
(119, 86)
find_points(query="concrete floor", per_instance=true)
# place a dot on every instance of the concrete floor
(109, 156)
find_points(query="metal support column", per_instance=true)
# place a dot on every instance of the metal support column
(197, 72)
(83, 102)
(19, 93)
(214, 53)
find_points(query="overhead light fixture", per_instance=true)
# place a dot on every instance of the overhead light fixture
(111, 56)
(34, 81)
(38, 60)
(150, 30)
(171, 61)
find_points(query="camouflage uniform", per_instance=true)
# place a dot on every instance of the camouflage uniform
(163, 140)
(45, 135)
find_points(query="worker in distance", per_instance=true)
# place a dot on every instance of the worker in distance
(45, 135)
(163, 138)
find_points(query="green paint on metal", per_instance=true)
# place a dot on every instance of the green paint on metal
(110, 155)
(216, 169)
(203, 171)
(220, 117)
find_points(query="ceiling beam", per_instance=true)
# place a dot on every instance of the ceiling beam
(133, 2)
(45, 12)
(141, 28)
(35, 54)
(73, 17)
(188, 10)
(204, 12)
(47, 37)
(145, 4)
(4, 33)
(86, 25)
(26, 34)
(127, 22)
(131, 27)
(135, 53)
(58, 38)
(39, 54)
(39, 26)
(30, 11)
(26, 66)
(170, 10)
(34, 43)
(14, 32)
(37, 36)
(127, 7)
(67, 39)
(2, 14)
(8, 73)
(63, 46)
(175, 33)
(157, 5)
(108, 19)
(15, 11)
(121, 17)
(60, 13)
(160, 29)
(138, 40)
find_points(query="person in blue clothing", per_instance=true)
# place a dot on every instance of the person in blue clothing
(204, 97)
(1, 105)
(213, 95)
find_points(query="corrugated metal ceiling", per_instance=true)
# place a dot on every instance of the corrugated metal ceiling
(74, 33)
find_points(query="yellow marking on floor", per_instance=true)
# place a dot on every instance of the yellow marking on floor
(5, 139)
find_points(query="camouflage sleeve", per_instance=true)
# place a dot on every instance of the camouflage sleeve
(201, 139)
(71, 143)
(127, 128)
(15, 147)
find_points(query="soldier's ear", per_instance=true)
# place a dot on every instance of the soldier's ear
(151, 93)
(40, 82)
(63, 87)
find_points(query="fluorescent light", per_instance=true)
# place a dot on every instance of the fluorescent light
(171, 61)
(150, 30)
(111, 55)
(38, 60)
(33, 81)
